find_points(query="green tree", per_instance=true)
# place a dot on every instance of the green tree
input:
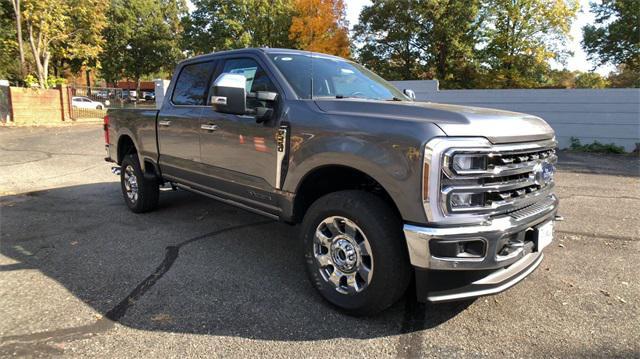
(590, 80)
(217, 25)
(404, 39)
(520, 37)
(614, 38)
(17, 11)
(82, 49)
(9, 66)
(388, 34)
(624, 76)
(47, 24)
(142, 38)
(563, 79)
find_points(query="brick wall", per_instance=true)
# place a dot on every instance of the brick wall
(37, 106)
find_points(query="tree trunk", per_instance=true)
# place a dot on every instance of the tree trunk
(88, 74)
(442, 60)
(137, 88)
(41, 65)
(16, 10)
(45, 67)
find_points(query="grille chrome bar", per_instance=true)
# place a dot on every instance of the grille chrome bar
(533, 209)
(500, 187)
(510, 167)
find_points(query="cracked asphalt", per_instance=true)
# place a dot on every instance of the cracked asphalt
(81, 276)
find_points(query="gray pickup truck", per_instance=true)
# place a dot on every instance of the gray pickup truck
(388, 192)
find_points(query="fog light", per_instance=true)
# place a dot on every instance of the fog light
(465, 200)
(469, 162)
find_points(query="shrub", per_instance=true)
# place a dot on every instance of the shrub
(595, 147)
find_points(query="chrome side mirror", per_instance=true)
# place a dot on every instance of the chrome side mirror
(410, 94)
(229, 94)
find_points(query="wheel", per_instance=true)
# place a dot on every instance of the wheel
(355, 252)
(140, 193)
(99, 107)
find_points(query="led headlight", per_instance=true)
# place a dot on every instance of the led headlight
(468, 162)
(460, 200)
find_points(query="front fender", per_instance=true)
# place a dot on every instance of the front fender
(394, 164)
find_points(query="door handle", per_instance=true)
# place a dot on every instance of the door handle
(164, 123)
(209, 127)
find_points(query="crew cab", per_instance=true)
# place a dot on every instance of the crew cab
(386, 191)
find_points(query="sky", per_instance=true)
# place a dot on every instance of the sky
(577, 62)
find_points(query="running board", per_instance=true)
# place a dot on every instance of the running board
(229, 201)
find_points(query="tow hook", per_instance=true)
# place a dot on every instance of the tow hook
(116, 170)
(558, 218)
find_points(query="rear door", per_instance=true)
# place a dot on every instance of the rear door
(179, 122)
(239, 156)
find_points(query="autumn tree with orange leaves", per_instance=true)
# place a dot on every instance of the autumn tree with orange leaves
(320, 26)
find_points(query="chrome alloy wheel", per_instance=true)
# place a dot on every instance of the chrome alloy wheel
(343, 255)
(131, 184)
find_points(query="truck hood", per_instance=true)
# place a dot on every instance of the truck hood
(497, 126)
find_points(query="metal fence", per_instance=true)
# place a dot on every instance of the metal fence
(93, 102)
(603, 115)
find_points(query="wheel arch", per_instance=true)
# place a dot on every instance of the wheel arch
(321, 181)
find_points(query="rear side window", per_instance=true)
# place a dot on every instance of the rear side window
(192, 84)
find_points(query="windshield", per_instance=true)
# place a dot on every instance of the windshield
(317, 76)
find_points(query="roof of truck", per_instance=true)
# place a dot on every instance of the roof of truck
(255, 50)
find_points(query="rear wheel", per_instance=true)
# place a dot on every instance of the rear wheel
(355, 252)
(140, 193)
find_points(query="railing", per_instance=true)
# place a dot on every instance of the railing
(93, 102)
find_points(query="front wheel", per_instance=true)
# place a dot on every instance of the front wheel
(140, 193)
(355, 252)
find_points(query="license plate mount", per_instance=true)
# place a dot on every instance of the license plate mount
(545, 235)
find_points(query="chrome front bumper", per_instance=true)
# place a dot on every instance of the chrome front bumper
(499, 270)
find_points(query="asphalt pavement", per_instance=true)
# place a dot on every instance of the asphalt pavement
(81, 276)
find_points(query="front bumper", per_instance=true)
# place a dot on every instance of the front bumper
(509, 253)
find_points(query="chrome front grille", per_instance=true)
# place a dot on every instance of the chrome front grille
(505, 183)
(478, 179)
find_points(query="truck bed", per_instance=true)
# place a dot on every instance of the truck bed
(137, 123)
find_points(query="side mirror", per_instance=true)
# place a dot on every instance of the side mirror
(229, 94)
(410, 94)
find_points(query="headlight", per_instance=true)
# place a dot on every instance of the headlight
(464, 162)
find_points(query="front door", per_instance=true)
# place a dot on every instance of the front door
(179, 122)
(239, 154)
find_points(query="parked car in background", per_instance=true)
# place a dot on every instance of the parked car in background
(103, 94)
(386, 190)
(149, 96)
(85, 102)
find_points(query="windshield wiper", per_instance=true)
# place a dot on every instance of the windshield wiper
(395, 99)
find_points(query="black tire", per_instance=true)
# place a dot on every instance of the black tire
(99, 107)
(148, 190)
(380, 225)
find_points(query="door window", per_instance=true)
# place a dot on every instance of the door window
(257, 79)
(191, 84)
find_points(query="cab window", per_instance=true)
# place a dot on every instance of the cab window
(191, 84)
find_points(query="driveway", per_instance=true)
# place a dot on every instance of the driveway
(80, 275)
